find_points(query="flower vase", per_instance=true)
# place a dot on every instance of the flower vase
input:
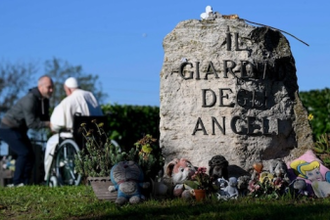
(200, 194)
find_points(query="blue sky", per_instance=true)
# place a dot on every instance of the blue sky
(121, 41)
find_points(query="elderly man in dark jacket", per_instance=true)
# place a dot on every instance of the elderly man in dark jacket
(31, 111)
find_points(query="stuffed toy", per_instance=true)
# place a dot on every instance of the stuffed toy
(127, 178)
(310, 168)
(297, 188)
(180, 172)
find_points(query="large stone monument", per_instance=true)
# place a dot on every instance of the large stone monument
(230, 88)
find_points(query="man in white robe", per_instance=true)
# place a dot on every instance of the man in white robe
(77, 101)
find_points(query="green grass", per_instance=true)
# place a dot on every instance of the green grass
(72, 203)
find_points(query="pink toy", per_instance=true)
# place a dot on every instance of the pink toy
(180, 172)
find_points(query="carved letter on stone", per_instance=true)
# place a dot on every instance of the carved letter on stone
(222, 96)
(235, 122)
(215, 122)
(237, 45)
(227, 69)
(247, 69)
(182, 73)
(211, 70)
(213, 98)
(199, 123)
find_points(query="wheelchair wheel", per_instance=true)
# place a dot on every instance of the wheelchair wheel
(53, 181)
(64, 164)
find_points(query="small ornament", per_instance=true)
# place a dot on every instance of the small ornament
(258, 167)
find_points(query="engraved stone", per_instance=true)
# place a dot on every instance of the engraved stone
(230, 88)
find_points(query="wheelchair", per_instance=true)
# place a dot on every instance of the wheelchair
(62, 171)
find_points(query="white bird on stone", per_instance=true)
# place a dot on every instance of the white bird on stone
(206, 14)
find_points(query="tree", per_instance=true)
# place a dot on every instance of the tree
(16, 78)
(13, 78)
(60, 70)
(317, 103)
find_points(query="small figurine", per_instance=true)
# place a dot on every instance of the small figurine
(243, 184)
(218, 167)
(278, 168)
(160, 186)
(222, 184)
(231, 191)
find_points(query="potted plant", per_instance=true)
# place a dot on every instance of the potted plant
(202, 183)
(99, 155)
(95, 160)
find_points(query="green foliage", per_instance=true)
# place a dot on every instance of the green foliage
(201, 179)
(148, 155)
(317, 103)
(322, 145)
(267, 188)
(130, 123)
(322, 148)
(99, 154)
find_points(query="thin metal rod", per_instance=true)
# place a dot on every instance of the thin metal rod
(275, 29)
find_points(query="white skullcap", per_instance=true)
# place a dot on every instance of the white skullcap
(71, 82)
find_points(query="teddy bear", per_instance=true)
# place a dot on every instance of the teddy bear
(128, 180)
(180, 173)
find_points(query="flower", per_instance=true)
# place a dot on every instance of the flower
(267, 185)
(310, 117)
(148, 156)
(202, 180)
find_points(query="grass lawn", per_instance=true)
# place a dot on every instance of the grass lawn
(79, 202)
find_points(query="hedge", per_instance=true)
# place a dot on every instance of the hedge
(129, 123)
